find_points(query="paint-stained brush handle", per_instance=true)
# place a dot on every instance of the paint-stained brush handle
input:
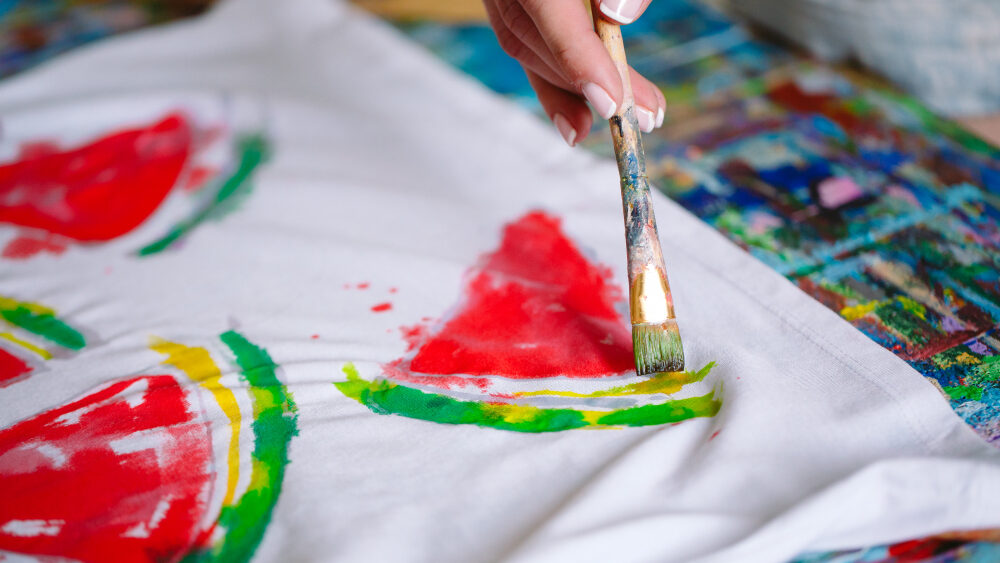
(650, 302)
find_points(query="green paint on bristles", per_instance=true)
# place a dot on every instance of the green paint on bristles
(42, 321)
(254, 150)
(275, 422)
(657, 348)
(386, 397)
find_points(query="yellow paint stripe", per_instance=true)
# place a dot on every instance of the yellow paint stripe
(45, 354)
(198, 365)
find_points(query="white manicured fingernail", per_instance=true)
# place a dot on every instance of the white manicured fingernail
(622, 11)
(646, 119)
(565, 129)
(598, 97)
(659, 117)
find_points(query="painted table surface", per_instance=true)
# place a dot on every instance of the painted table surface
(881, 211)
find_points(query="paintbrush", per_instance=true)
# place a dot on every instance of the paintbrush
(656, 340)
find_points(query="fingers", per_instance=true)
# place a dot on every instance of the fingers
(577, 52)
(518, 49)
(649, 102)
(568, 111)
(622, 11)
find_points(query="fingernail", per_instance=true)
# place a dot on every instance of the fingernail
(646, 119)
(622, 11)
(659, 117)
(565, 129)
(600, 99)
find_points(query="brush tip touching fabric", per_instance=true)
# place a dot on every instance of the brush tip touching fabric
(657, 348)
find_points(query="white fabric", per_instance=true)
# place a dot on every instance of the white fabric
(392, 169)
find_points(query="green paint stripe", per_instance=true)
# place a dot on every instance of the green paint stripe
(254, 150)
(384, 397)
(275, 423)
(41, 321)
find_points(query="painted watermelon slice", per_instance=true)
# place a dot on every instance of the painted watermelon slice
(122, 474)
(98, 191)
(535, 345)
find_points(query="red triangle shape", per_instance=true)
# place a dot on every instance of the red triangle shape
(534, 307)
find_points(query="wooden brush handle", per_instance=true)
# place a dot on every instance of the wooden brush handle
(649, 292)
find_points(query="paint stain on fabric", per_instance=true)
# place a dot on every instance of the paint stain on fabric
(88, 193)
(12, 368)
(253, 150)
(240, 526)
(536, 344)
(535, 307)
(120, 474)
(381, 307)
(386, 397)
(42, 321)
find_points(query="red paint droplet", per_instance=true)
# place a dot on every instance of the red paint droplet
(382, 307)
(535, 307)
(393, 290)
(198, 177)
(426, 319)
(314, 337)
(130, 454)
(714, 434)
(364, 285)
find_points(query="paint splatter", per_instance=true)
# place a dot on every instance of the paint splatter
(381, 307)
(536, 345)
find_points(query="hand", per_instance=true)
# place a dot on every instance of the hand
(566, 63)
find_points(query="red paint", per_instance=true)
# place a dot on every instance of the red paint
(382, 307)
(11, 368)
(535, 307)
(198, 177)
(62, 466)
(364, 285)
(314, 337)
(789, 95)
(101, 190)
(921, 549)
(400, 370)
(26, 246)
(393, 290)
(714, 434)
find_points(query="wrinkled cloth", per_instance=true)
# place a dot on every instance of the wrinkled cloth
(389, 171)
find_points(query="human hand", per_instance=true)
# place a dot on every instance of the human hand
(566, 63)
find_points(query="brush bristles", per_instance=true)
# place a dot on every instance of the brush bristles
(657, 348)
